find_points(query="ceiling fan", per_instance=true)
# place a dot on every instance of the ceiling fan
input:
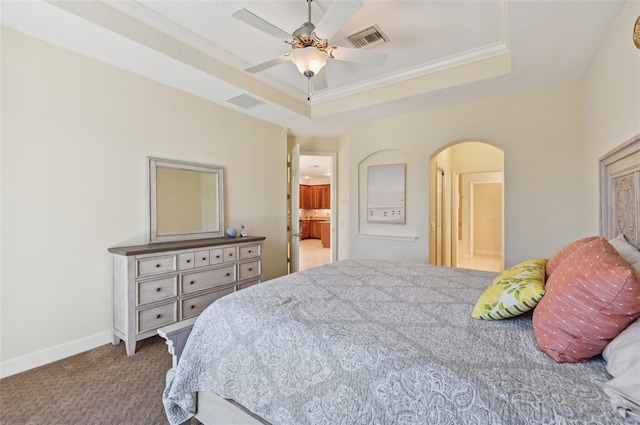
(310, 43)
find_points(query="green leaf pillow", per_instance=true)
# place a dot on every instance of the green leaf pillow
(513, 292)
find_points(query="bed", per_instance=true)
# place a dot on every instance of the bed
(382, 342)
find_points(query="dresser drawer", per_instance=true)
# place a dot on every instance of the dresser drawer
(250, 251)
(244, 285)
(157, 290)
(229, 254)
(156, 317)
(248, 270)
(201, 258)
(197, 281)
(195, 305)
(216, 256)
(155, 265)
(186, 261)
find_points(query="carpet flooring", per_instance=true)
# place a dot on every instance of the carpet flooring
(100, 386)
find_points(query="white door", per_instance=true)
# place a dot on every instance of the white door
(294, 206)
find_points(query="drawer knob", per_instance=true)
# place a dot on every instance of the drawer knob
(204, 258)
(188, 261)
(230, 255)
(192, 282)
(249, 251)
(192, 307)
(250, 269)
(228, 274)
(158, 316)
(157, 265)
(217, 256)
(158, 289)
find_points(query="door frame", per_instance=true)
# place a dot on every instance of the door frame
(334, 207)
(458, 193)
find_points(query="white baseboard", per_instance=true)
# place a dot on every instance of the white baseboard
(49, 355)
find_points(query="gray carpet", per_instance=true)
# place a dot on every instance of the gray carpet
(101, 386)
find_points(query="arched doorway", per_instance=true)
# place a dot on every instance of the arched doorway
(467, 206)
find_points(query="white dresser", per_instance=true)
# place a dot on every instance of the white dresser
(163, 283)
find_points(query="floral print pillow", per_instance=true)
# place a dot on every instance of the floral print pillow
(515, 291)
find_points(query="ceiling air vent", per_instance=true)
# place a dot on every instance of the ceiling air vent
(246, 101)
(367, 37)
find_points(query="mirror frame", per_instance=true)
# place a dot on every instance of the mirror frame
(154, 164)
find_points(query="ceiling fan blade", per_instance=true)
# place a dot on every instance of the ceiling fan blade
(257, 22)
(269, 64)
(320, 80)
(369, 57)
(337, 15)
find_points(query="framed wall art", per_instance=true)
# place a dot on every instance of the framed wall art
(386, 194)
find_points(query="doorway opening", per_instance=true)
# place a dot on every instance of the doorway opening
(316, 178)
(467, 213)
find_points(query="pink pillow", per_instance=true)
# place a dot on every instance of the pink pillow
(566, 251)
(590, 298)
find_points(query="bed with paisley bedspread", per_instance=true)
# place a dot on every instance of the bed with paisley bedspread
(387, 342)
(379, 342)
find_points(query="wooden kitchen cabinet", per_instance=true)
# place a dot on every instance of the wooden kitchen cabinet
(325, 195)
(325, 234)
(305, 196)
(305, 230)
(315, 197)
(316, 230)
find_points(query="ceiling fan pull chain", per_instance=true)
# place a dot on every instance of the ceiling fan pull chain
(309, 87)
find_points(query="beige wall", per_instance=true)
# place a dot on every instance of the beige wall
(313, 144)
(539, 131)
(611, 104)
(342, 225)
(75, 137)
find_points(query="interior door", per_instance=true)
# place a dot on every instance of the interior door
(294, 209)
(439, 217)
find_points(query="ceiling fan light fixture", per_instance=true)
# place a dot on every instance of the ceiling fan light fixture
(309, 60)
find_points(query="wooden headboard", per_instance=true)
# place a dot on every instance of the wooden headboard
(620, 192)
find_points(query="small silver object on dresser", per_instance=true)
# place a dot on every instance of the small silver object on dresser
(163, 283)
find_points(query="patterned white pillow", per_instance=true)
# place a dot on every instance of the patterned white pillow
(623, 363)
(627, 251)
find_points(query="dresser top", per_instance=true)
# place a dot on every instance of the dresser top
(174, 246)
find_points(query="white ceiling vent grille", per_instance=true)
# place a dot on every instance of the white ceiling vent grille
(368, 37)
(246, 101)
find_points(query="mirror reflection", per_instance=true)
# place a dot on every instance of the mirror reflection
(185, 201)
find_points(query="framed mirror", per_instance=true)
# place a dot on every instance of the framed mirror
(185, 201)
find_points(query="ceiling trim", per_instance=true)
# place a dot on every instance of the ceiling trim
(450, 77)
(107, 17)
(167, 26)
(487, 51)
